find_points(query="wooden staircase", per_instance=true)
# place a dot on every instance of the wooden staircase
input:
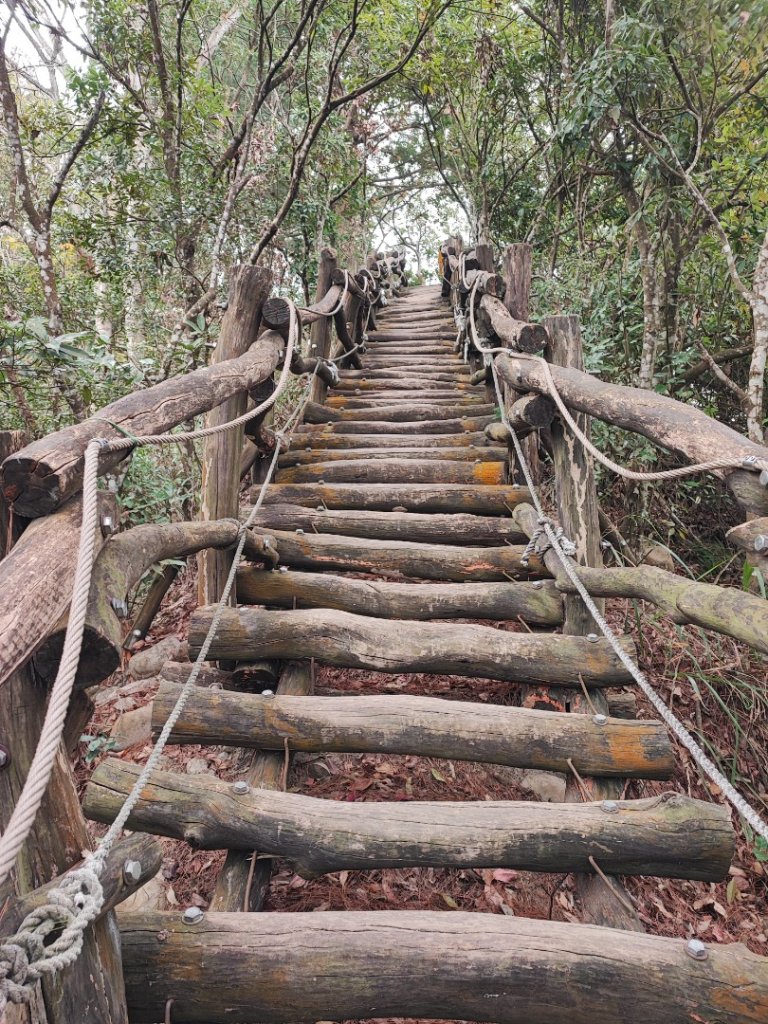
(391, 513)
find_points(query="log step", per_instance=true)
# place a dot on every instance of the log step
(395, 470)
(472, 453)
(430, 424)
(397, 645)
(669, 836)
(316, 440)
(420, 561)
(426, 726)
(408, 526)
(349, 965)
(488, 501)
(402, 414)
(539, 603)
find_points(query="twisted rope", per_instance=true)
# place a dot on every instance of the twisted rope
(555, 538)
(25, 957)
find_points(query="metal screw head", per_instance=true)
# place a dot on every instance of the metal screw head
(192, 915)
(696, 949)
(241, 788)
(299, 530)
(5, 757)
(761, 542)
(321, 481)
(119, 607)
(609, 806)
(749, 460)
(107, 526)
(267, 693)
(592, 637)
(537, 584)
(283, 568)
(132, 871)
(599, 718)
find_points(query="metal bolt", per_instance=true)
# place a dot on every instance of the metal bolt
(192, 915)
(609, 806)
(299, 530)
(267, 693)
(357, 391)
(266, 542)
(283, 568)
(107, 525)
(749, 460)
(308, 448)
(120, 607)
(761, 542)
(696, 949)
(136, 632)
(132, 871)
(5, 757)
(592, 637)
(321, 481)
(599, 719)
(319, 508)
(241, 788)
(537, 584)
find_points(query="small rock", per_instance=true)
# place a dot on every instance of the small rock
(132, 727)
(197, 766)
(657, 555)
(150, 661)
(546, 786)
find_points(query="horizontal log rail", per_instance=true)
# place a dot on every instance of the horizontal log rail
(670, 836)
(426, 726)
(673, 425)
(278, 968)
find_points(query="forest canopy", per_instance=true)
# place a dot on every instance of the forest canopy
(149, 146)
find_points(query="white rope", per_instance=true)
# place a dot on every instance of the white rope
(555, 538)
(24, 957)
(749, 462)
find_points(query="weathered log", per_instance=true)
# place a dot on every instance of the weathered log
(242, 884)
(317, 414)
(118, 568)
(389, 397)
(319, 441)
(145, 855)
(670, 836)
(726, 610)
(355, 641)
(536, 603)
(514, 334)
(421, 561)
(158, 589)
(409, 526)
(487, 283)
(40, 477)
(33, 601)
(369, 375)
(396, 470)
(425, 965)
(10, 528)
(402, 382)
(375, 425)
(249, 287)
(468, 454)
(517, 274)
(91, 990)
(320, 331)
(531, 412)
(487, 501)
(426, 726)
(751, 536)
(681, 428)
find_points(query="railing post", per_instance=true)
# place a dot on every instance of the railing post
(320, 331)
(249, 287)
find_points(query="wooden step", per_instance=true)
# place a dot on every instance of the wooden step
(670, 836)
(455, 563)
(409, 413)
(455, 372)
(424, 726)
(373, 425)
(487, 501)
(351, 965)
(397, 646)
(538, 603)
(317, 440)
(403, 382)
(376, 398)
(471, 453)
(396, 470)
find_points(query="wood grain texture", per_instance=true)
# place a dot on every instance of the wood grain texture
(670, 836)
(411, 497)
(356, 641)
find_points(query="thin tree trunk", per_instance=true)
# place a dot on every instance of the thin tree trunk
(756, 383)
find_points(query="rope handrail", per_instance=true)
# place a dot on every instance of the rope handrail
(563, 548)
(25, 957)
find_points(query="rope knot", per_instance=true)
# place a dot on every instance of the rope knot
(540, 541)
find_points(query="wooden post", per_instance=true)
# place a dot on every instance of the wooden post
(91, 991)
(249, 288)
(603, 903)
(320, 331)
(516, 271)
(10, 441)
